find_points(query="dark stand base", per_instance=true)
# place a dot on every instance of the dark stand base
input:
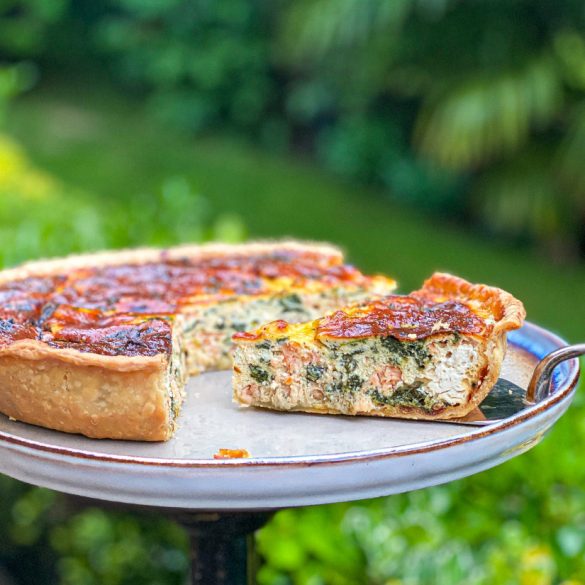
(222, 546)
(221, 543)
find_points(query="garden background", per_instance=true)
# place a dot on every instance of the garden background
(417, 134)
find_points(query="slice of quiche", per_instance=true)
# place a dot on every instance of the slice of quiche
(433, 354)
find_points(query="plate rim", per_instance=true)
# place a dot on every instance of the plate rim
(566, 389)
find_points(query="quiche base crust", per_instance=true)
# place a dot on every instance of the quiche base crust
(82, 396)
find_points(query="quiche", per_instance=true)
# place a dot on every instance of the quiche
(102, 344)
(433, 354)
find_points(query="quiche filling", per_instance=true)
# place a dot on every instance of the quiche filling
(359, 376)
(434, 353)
(209, 328)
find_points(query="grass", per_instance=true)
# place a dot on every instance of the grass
(522, 522)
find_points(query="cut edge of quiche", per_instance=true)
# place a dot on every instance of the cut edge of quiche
(433, 354)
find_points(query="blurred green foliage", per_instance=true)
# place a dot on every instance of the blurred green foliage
(204, 62)
(24, 25)
(40, 216)
(96, 548)
(471, 109)
(522, 523)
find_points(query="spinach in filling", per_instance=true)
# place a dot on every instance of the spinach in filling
(314, 372)
(407, 395)
(348, 363)
(259, 374)
(350, 385)
(291, 304)
(401, 350)
(353, 383)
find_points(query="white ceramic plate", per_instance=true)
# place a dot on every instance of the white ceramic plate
(296, 459)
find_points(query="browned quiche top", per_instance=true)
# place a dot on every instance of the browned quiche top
(445, 304)
(406, 318)
(127, 309)
(166, 285)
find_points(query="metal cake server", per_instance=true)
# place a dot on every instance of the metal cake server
(507, 398)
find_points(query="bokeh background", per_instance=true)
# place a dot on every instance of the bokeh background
(417, 134)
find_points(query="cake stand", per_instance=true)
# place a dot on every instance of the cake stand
(296, 459)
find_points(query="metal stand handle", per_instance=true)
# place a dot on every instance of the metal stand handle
(539, 386)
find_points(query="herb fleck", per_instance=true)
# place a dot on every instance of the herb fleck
(353, 384)
(348, 362)
(407, 395)
(259, 374)
(334, 388)
(314, 372)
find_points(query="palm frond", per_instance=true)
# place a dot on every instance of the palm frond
(317, 27)
(485, 117)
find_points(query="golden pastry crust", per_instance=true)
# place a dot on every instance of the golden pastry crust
(506, 310)
(78, 396)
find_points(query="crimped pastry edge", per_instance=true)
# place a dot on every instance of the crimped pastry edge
(508, 312)
(35, 350)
